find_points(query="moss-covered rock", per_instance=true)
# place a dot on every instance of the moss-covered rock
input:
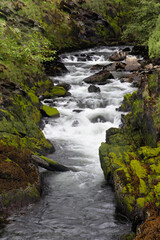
(49, 111)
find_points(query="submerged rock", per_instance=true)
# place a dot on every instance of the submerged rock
(93, 88)
(98, 119)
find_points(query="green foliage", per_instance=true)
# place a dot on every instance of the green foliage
(154, 41)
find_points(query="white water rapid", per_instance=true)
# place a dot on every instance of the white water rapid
(77, 205)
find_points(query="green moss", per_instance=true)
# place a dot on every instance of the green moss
(138, 169)
(153, 83)
(155, 168)
(140, 202)
(49, 160)
(157, 194)
(130, 188)
(50, 111)
(149, 198)
(55, 92)
(129, 201)
(8, 160)
(142, 187)
(148, 152)
(34, 98)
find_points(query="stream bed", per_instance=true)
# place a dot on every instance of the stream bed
(77, 205)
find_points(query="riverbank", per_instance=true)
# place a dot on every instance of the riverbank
(31, 35)
(130, 155)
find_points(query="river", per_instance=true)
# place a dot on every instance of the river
(77, 205)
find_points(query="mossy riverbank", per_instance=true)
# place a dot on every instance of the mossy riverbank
(32, 32)
(130, 157)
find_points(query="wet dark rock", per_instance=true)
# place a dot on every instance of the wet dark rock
(55, 68)
(118, 56)
(127, 49)
(68, 94)
(98, 119)
(75, 123)
(77, 110)
(48, 101)
(123, 121)
(100, 78)
(140, 51)
(66, 86)
(96, 68)
(93, 88)
(84, 57)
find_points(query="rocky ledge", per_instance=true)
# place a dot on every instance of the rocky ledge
(130, 156)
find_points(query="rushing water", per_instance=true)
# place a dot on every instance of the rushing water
(77, 205)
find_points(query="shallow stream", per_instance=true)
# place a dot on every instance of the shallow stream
(77, 205)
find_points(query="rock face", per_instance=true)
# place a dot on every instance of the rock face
(19, 177)
(100, 78)
(92, 26)
(130, 155)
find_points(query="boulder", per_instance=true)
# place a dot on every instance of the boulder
(100, 78)
(118, 56)
(48, 111)
(96, 68)
(66, 86)
(93, 88)
(55, 68)
(132, 64)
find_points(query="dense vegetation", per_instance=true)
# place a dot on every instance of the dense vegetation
(137, 21)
